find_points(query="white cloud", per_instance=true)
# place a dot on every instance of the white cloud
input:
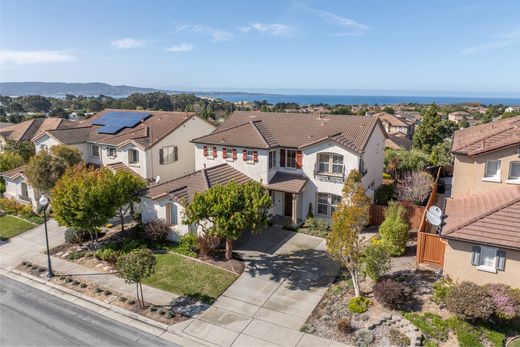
(504, 40)
(354, 28)
(35, 57)
(128, 43)
(183, 47)
(275, 29)
(216, 35)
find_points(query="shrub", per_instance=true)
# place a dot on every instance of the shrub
(359, 304)
(470, 301)
(384, 194)
(503, 297)
(129, 245)
(26, 211)
(364, 338)
(309, 211)
(107, 254)
(376, 261)
(441, 289)
(397, 338)
(156, 230)
(394, 229)
(415, 187)
(76, 255)
(387, 176)
(188, 245)
(318, 225)
(344, 325)
(208, 244)
(392, 294)
(10, 205)
(76, 236)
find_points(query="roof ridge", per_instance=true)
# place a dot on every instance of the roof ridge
(28, 127)
(258, 131)
(483, 215)
(487, 135)
(217, 131)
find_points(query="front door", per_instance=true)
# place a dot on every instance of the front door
(288, 204)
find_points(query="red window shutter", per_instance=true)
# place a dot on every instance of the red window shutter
(234, 154)
(205, 151)
(214, 152)
(255, 156)
(299, 159)
(244, 155)
(224, 152)
(282, 158)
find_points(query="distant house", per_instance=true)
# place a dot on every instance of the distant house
(487, 156)
(413, 117)
(17, 187)
(511, 109)
(398, 141)
(26, 130)
(394, 125)
(158, 145)
(458, 116)
(482, 232)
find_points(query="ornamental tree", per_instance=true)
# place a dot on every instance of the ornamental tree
(415, 187)
(126, 189)
(136, 266)
(228, 210)
(24, 148)
(344, 243)
(432, 130)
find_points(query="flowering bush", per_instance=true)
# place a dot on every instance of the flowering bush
(503, 297)
(470, 301)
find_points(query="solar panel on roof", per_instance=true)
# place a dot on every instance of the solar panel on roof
(114, 121)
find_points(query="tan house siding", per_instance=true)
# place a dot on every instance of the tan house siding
(469, 171)
(457, 265)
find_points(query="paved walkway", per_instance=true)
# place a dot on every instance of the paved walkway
(287, 274)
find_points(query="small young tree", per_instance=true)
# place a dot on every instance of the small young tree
(228, 210)
(23, 148)
(376, 261)
(394, 229)
(415, 187)
(70, 156)
(136, 266)
(343, 242)
(126, 190)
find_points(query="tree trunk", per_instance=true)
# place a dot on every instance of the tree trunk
(122, 222)
(355, 282)
(142, 294)
(229, 248)
(137, 293)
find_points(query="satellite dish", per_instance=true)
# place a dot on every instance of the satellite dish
(434, 216)
(157, 179)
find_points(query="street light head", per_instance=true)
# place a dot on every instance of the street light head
(44, 201)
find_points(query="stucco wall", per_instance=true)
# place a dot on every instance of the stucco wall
(13, 188)
(457, 265)
(469, 172)
(374, 158)
(49, 142)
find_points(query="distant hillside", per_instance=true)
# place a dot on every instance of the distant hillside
(60, 89)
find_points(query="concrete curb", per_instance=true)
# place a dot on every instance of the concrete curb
(110, 311)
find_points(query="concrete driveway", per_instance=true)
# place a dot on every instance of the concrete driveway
(287, 274)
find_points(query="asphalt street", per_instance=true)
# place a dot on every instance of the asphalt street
(29, 317)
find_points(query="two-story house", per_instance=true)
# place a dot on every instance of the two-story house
(481, 225)
(303, 159)
(396, 125)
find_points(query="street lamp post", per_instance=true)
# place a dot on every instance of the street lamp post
(44, 203)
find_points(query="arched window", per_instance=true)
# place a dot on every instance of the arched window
(171, 214)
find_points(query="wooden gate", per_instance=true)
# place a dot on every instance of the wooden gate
(430, 249)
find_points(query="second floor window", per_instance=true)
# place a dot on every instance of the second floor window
(290, 160)
(514, 171)
(331, 164)
(272, 159)
(94, 151)
(168, 154)
(492, 170)
(111, 152)
(133, 156)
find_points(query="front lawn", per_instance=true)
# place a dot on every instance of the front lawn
(183, 276)
(11, 226)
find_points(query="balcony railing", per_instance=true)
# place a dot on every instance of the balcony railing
(24, 198)
(330, 177)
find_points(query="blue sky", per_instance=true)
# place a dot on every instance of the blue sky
(468, 47)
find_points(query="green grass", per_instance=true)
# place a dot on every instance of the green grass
(11, 226)
(183, 276)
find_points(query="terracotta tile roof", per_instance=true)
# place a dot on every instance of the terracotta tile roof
(145, 134)
(293, 130)
(398, 141)
(287, 182)
(391, 119)
(26, 130)
(13, 173)
(489, 218)
(120, 166)
(488, 137)
(183, 189)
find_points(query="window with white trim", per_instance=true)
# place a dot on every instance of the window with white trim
(492, 170)
(94, 151)
(250, 156)
(327, 203)
(24, 190)
(514, 171)
(335, 200)
(169, 154)
(228, 152)
(133, 156)
(173, 214)
(488, 257)
(272, 159)
(290, 158)
(111, 152)
(330, 164)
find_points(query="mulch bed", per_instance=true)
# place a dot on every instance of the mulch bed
(163, 314)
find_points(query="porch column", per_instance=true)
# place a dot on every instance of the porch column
(295, 209)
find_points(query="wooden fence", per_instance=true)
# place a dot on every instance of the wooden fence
(415, 214)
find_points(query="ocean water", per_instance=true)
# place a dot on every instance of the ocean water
(361, 99)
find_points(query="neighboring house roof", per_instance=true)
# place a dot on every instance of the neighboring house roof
(398, 141)
(391, 119)
(292, 130)
(120, 166)
(287, 182)
(183, 189)
(13, 173)
(488, 218)
(487, 137)
(26, 130)
(152, 129)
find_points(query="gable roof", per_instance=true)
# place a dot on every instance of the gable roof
(489, 218)
(14, 173)
(292, 130)
(391, 119)
(183, 189)
(26, 130)
(398, 141)
(487, 137)
(156, 126)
